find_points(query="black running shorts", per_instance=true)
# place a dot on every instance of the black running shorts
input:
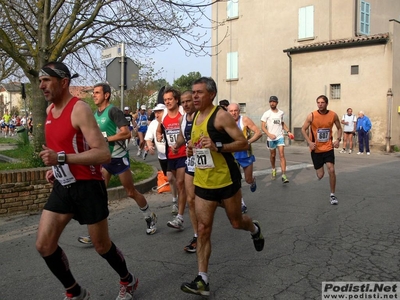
(319, 159)
(218, 194)
(86, 199)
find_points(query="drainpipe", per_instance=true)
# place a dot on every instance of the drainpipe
(290, 94)
(356, 18)
(389, 97)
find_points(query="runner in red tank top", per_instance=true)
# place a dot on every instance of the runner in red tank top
(74, 149)
(176, 155)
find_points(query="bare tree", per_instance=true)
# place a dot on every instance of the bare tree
(33, 33)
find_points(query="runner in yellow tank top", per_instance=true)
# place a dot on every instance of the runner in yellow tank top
(217, 178)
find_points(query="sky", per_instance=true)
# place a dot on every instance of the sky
(175, 63)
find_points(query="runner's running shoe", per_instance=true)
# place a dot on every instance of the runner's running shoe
(176, 223)
(191, 248)
(151, 224)
(85, 295)
(197, 287)
(126, 289)
(258, 238)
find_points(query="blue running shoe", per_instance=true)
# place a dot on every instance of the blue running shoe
(253, 186)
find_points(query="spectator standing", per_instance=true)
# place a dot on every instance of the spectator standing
(349, 129)
(364, 126)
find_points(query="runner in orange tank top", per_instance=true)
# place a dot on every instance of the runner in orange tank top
(320, 141)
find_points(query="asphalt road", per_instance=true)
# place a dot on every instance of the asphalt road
(307, 240)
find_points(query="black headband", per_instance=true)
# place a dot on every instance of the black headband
(46, 71)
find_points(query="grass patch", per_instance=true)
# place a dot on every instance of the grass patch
(8, 140)
(139, 170)
(29, 159)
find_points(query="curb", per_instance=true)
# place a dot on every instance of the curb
(142, 187)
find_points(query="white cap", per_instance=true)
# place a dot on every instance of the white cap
(126, 108)
(159, 106)
(143, 107)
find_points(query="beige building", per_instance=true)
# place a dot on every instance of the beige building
(10, 97)
(348, 50)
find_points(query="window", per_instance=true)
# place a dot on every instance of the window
(335, 91)
(232, 66)
(232, 9)
(242, 108)
(354, 70)
(365, 10)
(306, 22)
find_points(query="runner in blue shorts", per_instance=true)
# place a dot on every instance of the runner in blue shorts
(246, 158)
(272, 125)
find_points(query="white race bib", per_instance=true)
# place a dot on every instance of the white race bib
(203, 158)
(190, 163)
(63, 174)
(323, 135)
(172, 136)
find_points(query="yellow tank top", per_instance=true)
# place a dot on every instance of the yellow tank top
(225, 170)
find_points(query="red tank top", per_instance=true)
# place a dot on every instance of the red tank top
(62, 136)
(172, 129)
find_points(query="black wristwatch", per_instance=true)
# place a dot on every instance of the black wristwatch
(219, 146)
(61, 157)
(106, 139)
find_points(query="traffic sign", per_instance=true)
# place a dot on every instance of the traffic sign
(131, 73)
(111, 52)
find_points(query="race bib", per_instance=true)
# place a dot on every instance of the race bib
(143, 123)
(63, 174)
(172, 136)
(323, 135)
(203, 158)
(190, 163)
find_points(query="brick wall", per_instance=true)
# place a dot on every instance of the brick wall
(26, 191)
(23, 191)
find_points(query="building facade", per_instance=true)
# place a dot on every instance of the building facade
(10, 97)
(297, 50)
